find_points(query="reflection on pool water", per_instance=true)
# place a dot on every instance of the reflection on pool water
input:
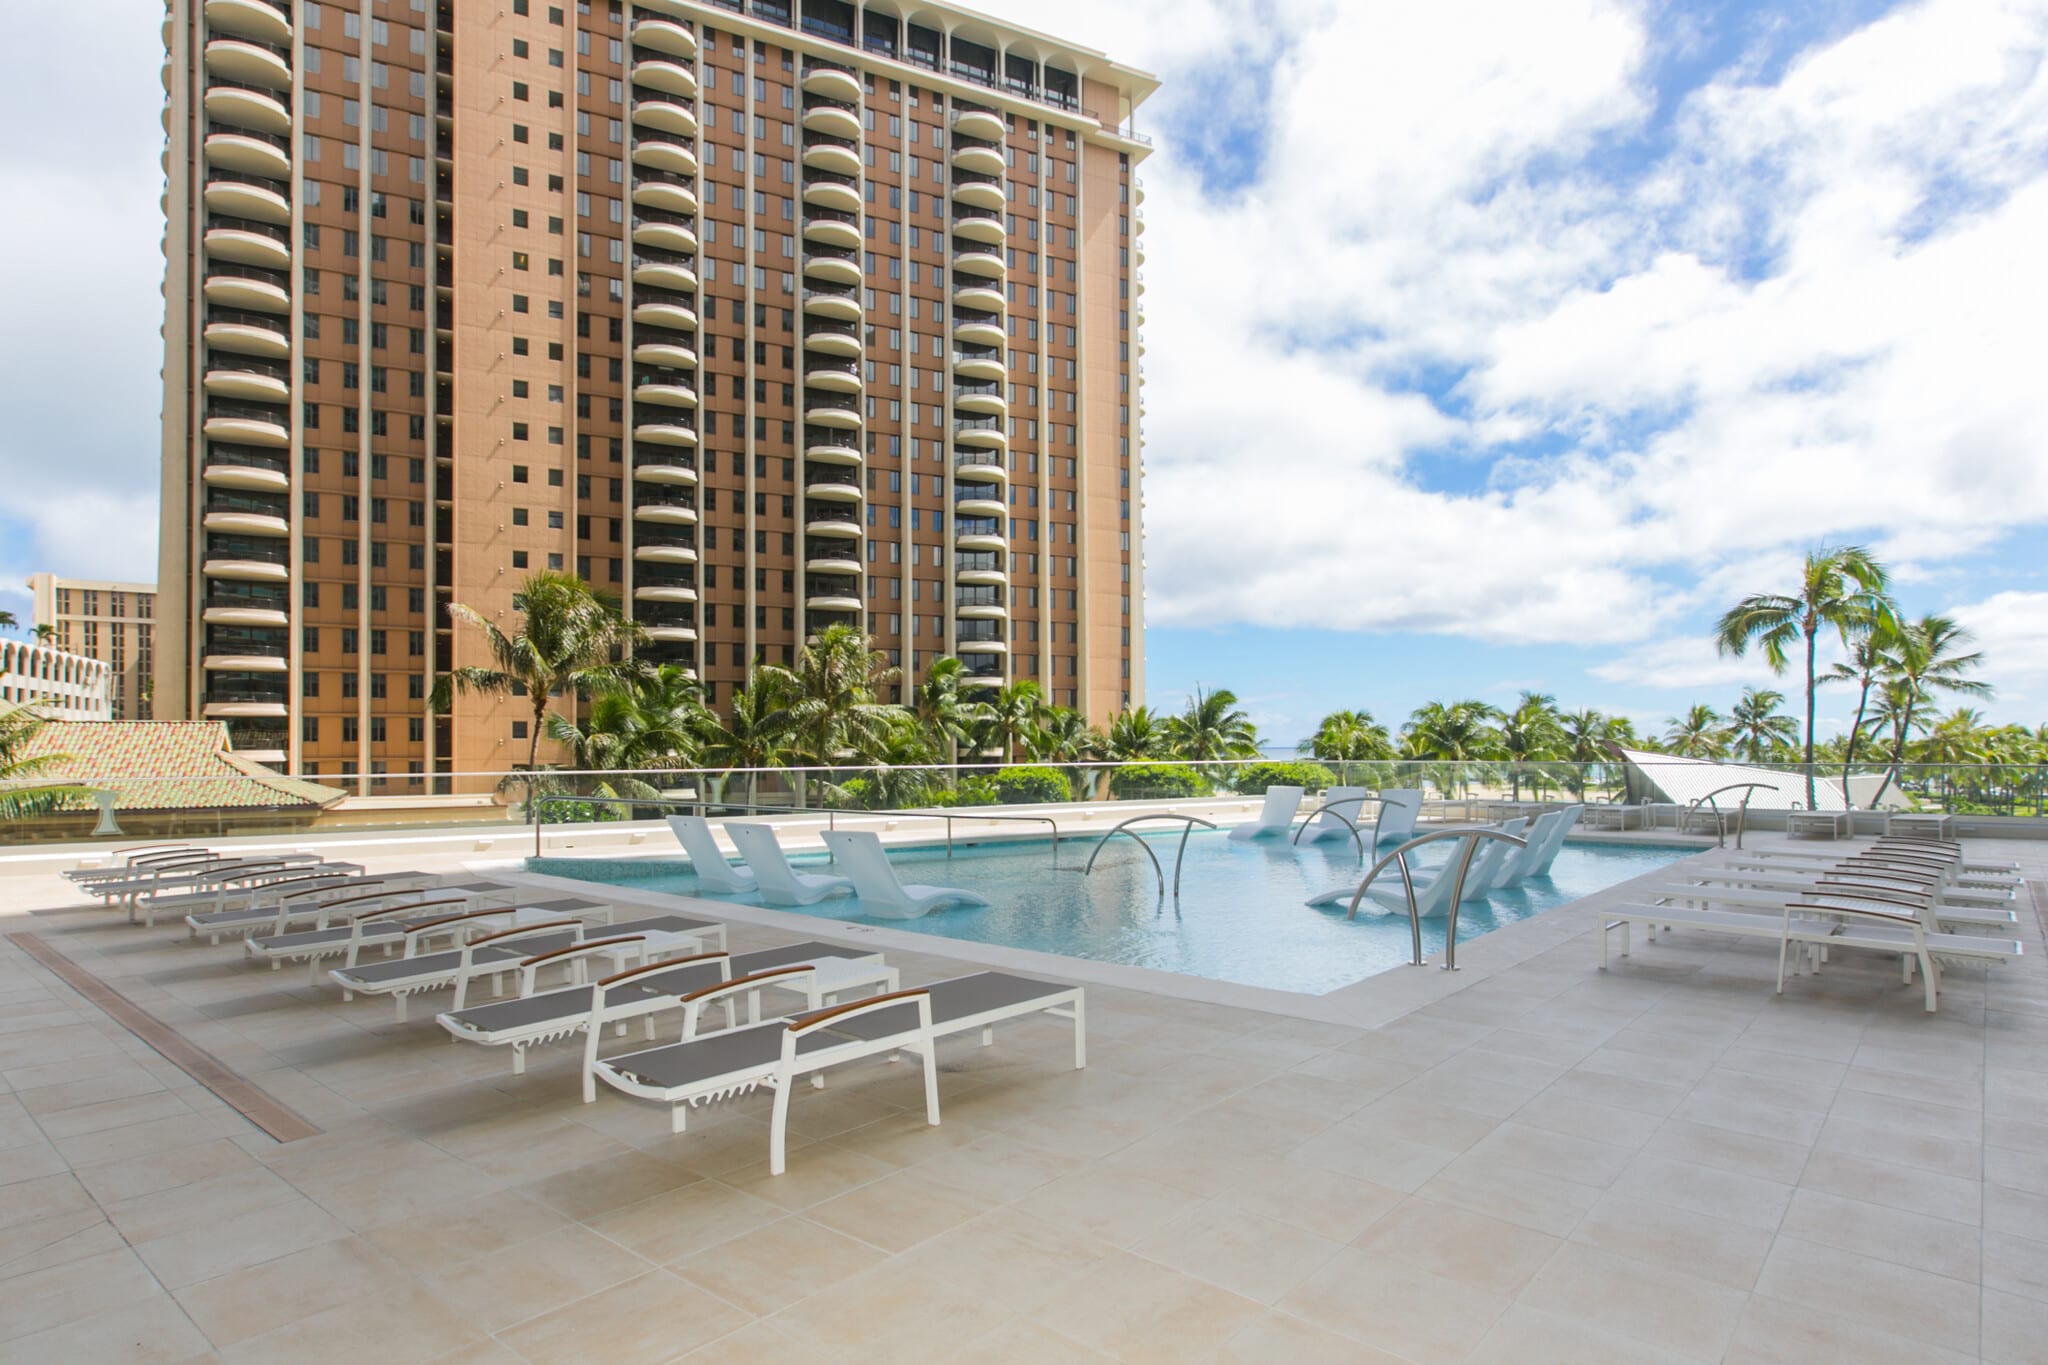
(1240, 915)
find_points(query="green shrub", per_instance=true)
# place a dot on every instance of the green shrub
(969, 791)
(1154, 782)
(1026, 786)
(1253, 779)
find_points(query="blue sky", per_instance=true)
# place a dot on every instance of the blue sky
(1490, 346)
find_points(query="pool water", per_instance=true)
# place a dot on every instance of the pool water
(1240, 915)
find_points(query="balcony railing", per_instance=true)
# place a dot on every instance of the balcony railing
(261, 274)
(274, 231)
(237, 363)
(248, 412)
(217, 175)
(243, 317)
(268, 696)
(283, 97)
(817, 213)
(268, 645)
(977, 561)
(255, 504)
(228, 595)
(977, 526)
(976, 596)
(247, 457)
(255, 551)
(280, 142)
(964, 458)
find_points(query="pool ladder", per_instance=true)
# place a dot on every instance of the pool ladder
(1188, 823)
(1460, 864)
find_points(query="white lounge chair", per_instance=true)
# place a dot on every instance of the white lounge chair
(1399, 807)
(251, 884)
(1276, 816)
(777, 882)
(707, 859)
(309, 904)
(1339, 817)
(859, 853)
(1432, 893)
(1544, 845)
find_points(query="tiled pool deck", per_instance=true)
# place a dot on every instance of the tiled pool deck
(1530, 1161)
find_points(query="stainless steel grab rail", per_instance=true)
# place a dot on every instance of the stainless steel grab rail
(1399, 857)
(1187, 827)
(1720, 816)
(1330, 808)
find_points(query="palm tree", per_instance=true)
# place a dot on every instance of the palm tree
(1925, 662)
(1587, 734)
(7, 621)
(656, 721)
(755, 732)
(25, 785)
(942, 708)
(1955, 740)
(1699, 733)
(1015, 715)
(569, 640)
(1456, 733)
(1529, 733)
(1347, 737)
(1134, 734)
(835, 706)
(1756, 733)
(1872, 652)
(1211, 728)
(1842, 589)
(45, 634)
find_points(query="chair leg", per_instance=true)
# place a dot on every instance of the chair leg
(1080, 1034)
(778, 1131)
(929, 1053)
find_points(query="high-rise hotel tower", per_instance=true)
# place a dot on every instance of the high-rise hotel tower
(762, 315)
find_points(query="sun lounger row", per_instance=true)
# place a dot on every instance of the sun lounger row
(863, 870)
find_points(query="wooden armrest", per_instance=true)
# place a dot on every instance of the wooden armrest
(667, 965)
(454, 919)
(770, 977)
(805, 1023)
(586, 946)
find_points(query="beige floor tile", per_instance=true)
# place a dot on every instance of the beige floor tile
(1637, 1093)
(1744, 1199)
(1115, 1206)
(784, 1262)
(757, 1343)
(894, 1312)
(1526, 1198)
(1666, 1310)
(819, 1172)
(995, 1167)
(1580, 1160)
(1909, 1303)
(1010, 1259)
(81, 1119)
(548, 1272)
(454, 1234)
(146, 1331)
(1249, 1255)
(1588, 1119)
(1392, 1306)
(653, 1317)
(1717, 1249)
(1903, 1146)
(1775, 1333)
(1728, 1149)
(2016, 1265)
(60, 1294)
(1135, 1310)
(1276, 1336)
(683, 1222)
(898, 1211)
(1393, 1162)
(31, 1201)
(1914, 1240)
(1019, 1342)
(1951, 1197)
(204, 1202)
(409, 1325)
(2017, 1169)
(585, 1192)
(156, 1171)
(1323, 1202)
(1530, 1336)
(247, 1303)
(2015, 1329)
(29, 1247)
(237, 1241)
(1459, 1244)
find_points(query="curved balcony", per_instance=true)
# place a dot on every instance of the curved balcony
(673, 354)
(978, 329)
(247, 424)
(247, 106)
(970, 506)
(975, 258)
(979, 154)
(247, 562)
(825, 152)
(670, 632)
(245, 663)
(663, 272)
(666, 431)
(665, 190)
(836, 376)
(989, 646)
(832, 487)
(656, 465)
(829, 602)
(840, 118)
(670, 313)
(832, 337)
(981, 397)
(834, 83)
(832, 445)
(980, 123)
(978, 540)
(986, 432)
(979, 362)
(823, 563)
(670, 77)
(664, 35)
(827, 189)
(664, 551)
(263, 334)
(248, 286)
(981, 191)
(979, 570)
(832, 410)
(258, 63)
(229, 468)
(665, 234)
(251, 153)
(834, 227)
(652, 110)
(245, 616)
(663, 592)
(666, 393)
(980, 466)
(986, 298)
(836, 264)
(831, 301)
(981, 611)
(665, 154)
(230, 376)
(664, 506)
(833, 523)
(246, 523)
(247, 241)
(228, 710)
(234, 196)
(980, 225)
(258, 19)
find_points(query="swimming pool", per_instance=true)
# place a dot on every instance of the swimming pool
(1240, 916)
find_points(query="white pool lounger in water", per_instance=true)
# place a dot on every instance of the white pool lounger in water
(859, 853)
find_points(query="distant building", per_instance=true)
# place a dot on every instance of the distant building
(111, 622)
(63, 686)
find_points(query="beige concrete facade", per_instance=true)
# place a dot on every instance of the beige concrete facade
(114, 623)
(762, 318)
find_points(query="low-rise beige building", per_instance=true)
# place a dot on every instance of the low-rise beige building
(112, 622)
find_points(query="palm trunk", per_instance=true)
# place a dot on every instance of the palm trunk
(1810, 803)
(1899, 729)
(540, 706)
(1855, 730)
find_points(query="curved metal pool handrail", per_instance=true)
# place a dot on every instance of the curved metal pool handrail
(1187, 827)
(1330, 808)
(1741, 811)
(1470, 835)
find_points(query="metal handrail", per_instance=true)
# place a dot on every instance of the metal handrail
(1330, 808)
(831, 814)
(1187, 827)
(1399, 857)
(1741, 811)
